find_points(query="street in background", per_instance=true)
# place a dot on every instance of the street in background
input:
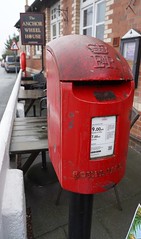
(6, 85)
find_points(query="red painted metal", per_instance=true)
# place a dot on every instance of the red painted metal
(90, 91)
(23, 61)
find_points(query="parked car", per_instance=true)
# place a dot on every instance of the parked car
(2, 63)
(12, 63)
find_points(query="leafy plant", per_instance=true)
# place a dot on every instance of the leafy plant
(136, 225)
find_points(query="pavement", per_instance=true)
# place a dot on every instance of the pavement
(50, 221)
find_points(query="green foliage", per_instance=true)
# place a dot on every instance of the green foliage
(10, 40)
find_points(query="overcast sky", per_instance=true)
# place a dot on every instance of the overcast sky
(9, 15)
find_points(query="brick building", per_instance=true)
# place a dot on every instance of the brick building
(122, 16)
(108, 20)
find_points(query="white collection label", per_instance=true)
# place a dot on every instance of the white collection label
(102, 136)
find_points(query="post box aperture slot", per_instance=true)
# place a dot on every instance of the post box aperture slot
(105, 95)
(102, 136)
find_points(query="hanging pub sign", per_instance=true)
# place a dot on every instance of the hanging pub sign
(32, 28)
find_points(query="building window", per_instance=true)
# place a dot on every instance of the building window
(55, 21)
(27, 49)
(93, 18)
(100, 19)
(87, 21)
(38, 50)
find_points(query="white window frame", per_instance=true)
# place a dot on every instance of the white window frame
(55, 20)
(84, 6)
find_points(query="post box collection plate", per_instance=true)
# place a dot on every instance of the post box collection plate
(102, 136)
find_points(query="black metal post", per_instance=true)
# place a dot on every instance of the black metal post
(15, 54)
(80, 216)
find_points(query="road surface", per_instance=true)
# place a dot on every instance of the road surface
(7, 81)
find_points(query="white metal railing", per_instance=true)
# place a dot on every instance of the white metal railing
(6, 125)
(7, 121)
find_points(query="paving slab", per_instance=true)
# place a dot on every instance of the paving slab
(50, 221)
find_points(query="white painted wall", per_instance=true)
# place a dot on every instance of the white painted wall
(12, 202)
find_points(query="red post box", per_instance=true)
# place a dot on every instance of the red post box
(90, 94)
